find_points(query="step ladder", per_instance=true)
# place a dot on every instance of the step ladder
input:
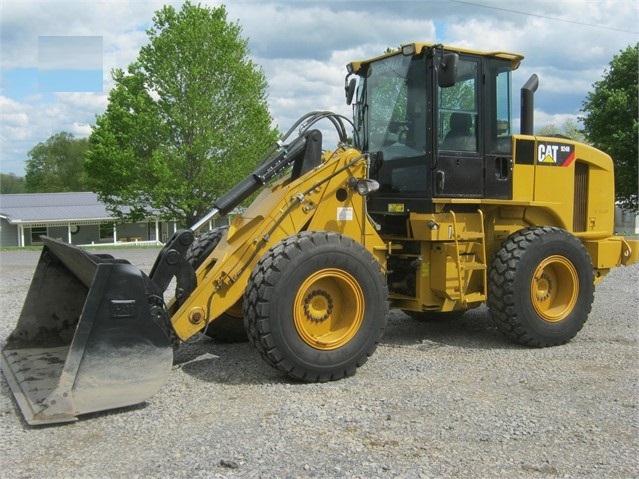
(477, 242)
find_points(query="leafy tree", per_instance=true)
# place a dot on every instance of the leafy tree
(184, 123)
(611, 122)
(569, 129)
(10, 183)
(57, 165)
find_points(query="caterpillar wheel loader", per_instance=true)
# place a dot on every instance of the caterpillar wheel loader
(434, 207)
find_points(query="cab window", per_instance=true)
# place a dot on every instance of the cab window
(458, 108)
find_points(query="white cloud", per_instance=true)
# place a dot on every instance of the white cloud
(303, 30)
(15, 120)
(557, 119)
(84, 102)
(303, 48)
(80, 130)
(554, 80)
(15, 130)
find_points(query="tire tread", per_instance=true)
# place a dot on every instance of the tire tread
(260, 291)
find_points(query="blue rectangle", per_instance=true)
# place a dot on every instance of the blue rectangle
(70, 81)
(19, 83)
(70, 53)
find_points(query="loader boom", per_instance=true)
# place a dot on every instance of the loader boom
(287, 207)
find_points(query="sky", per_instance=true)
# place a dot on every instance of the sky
(56, 56)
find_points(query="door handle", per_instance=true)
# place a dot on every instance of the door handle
(502, 168)
(440, 180)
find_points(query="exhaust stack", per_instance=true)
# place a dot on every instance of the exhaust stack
(528, 105)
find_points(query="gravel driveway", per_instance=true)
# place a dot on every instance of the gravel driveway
(437, 400)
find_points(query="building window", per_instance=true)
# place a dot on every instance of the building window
(106, 231)
(36, 233)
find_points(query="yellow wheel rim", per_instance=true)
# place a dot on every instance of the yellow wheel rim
(328, 309)
(554, 288)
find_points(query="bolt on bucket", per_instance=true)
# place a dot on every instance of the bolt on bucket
(91, 336)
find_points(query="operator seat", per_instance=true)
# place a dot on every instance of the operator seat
(460, 136)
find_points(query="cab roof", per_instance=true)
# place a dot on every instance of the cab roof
(417, 48)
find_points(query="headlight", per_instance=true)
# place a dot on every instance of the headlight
(363, 187)
(408, 50)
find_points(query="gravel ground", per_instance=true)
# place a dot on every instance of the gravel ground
(437, 400)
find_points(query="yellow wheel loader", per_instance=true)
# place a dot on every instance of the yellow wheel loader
(434, 207)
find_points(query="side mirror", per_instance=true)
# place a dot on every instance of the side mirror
(350, 91)
(447, 71)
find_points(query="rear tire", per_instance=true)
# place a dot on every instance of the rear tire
(316, 306)
(541, 286)
(228, 327)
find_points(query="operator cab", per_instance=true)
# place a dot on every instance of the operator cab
(436, 122)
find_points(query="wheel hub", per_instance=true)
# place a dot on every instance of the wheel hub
(544, 287)
(318, 306)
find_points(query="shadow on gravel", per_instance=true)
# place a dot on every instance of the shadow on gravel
(107, 413)
(225, 363)
(239, 363)
(472, 330)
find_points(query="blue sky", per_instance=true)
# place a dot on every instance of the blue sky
(56, 55)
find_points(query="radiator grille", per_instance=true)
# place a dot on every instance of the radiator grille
(580, 207)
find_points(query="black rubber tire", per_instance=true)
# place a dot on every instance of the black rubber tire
(204, 245)
(227, 328)
(547, 309)
(274, 321)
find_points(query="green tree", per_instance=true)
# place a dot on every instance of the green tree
(568, 128)
(184, 123)
(57, 165)
(10, 183)
(611, 121)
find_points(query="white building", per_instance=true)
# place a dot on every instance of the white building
(626, 222)
(77, 218)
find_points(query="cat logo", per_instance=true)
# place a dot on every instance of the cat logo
(555, 154)
(547, 153)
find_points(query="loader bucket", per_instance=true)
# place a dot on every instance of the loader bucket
(86, 339)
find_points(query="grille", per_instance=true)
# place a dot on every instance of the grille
(580, 207)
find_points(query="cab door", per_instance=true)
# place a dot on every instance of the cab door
(459, 165)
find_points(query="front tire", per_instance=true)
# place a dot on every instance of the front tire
(316, 306)
(541, 286)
